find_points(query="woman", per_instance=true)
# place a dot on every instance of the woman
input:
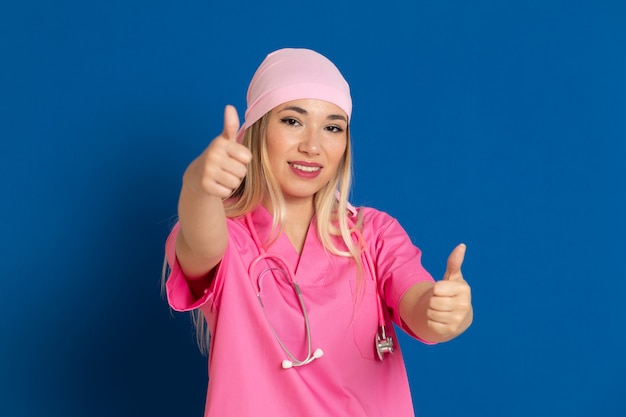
(297, 287)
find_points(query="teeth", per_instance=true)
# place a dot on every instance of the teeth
(305, 169)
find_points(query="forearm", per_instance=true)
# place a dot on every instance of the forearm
(203, 235)
(414, 311)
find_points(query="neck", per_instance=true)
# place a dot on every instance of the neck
(298, 215)
(297, 211)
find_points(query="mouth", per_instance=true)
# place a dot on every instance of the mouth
(305, 168)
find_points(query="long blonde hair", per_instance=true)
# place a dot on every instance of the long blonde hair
(331, 207)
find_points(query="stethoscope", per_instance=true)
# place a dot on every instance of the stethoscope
(383, 342)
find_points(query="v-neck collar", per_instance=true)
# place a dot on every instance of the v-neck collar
(310, 265)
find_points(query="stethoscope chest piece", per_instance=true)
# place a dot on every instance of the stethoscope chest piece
(384, 343)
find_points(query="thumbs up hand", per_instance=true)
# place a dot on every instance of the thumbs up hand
(449, 310)
(220, 169)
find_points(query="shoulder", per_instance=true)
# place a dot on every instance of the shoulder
(375, 219)
(379, 227)
(239, 233)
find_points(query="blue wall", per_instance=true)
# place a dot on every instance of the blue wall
(500, 124)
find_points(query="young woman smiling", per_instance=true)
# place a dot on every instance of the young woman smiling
(294, 290)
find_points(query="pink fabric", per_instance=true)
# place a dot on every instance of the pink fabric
(292, 74)
(245, 376)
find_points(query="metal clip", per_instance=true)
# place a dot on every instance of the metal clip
(384, 343)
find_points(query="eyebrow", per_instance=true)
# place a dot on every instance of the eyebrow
(300, 110)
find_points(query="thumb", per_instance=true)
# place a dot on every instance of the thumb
(231, 123)
(455, 260)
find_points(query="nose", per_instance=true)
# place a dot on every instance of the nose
(310, 143)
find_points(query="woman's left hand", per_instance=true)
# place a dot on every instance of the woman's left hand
(449, 311)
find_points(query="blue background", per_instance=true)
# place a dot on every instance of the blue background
(499, 124)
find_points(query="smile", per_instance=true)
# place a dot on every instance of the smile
(305, 168)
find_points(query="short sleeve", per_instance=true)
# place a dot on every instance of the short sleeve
(179, 295)
(397, 261)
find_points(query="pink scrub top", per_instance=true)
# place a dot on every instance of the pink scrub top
(245, 373)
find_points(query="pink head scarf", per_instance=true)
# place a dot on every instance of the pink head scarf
(293, 74)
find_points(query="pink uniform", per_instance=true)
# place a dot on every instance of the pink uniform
(245, 373)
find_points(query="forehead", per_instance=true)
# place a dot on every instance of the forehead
(312, 107)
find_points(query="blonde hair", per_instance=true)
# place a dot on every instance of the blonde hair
(331, 207)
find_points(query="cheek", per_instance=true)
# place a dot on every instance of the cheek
(274, 148)
(337, 151)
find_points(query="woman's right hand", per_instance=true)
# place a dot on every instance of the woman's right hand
(219, 170)
(210, 178)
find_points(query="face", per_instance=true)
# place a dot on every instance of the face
(306, 142)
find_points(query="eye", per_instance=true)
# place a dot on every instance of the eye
(334, 129)
(290, 121)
